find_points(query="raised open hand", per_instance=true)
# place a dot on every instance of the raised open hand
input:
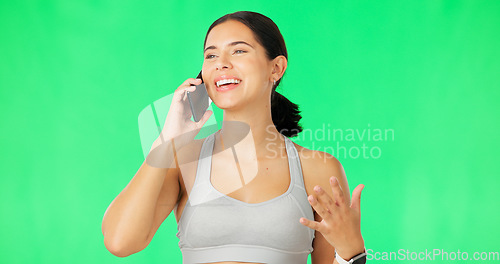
(340, 224)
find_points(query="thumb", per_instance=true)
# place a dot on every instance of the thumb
(356, 198)
(204, 118)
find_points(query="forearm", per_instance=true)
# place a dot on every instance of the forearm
(163, 152)
(129, 217)
(128, 220)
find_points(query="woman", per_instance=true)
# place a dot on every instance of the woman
(268, 218)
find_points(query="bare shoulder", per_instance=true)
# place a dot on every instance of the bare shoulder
(318, 167)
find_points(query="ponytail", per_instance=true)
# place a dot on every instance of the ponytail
(285, 114)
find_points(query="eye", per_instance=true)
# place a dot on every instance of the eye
(209, 56)
(239, 51)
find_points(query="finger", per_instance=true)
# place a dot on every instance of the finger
(325, 199)
(322, 211)
(188, 89)
(311, 224)
(356, 198)
(191, 81)
(181, 92)
(338, 194)
(188, 85)
(204, 118)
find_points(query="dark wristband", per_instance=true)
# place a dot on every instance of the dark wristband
(358, 259)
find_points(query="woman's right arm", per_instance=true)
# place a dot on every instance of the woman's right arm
(133, 217)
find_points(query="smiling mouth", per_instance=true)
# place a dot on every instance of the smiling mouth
(224, 82)
(227, 87)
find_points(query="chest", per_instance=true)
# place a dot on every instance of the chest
(250, 181)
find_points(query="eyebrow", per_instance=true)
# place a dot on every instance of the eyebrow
(234, 43)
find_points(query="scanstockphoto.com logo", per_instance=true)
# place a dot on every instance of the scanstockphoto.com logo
(431, 255)
(354, 143)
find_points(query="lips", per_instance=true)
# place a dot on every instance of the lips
(226, 87)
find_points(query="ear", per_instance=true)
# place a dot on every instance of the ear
(278, 67)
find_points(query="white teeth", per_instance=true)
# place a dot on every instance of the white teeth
(226, 81)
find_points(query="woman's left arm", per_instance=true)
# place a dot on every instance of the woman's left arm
(337, 219)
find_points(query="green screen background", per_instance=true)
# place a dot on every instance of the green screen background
(74, 76)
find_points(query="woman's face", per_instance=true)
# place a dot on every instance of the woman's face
(232, 54)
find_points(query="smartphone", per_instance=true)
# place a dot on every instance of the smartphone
(199, 101)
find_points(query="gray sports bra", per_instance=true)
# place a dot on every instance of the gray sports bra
(215, 227)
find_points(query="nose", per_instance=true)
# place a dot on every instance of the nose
(223, 62)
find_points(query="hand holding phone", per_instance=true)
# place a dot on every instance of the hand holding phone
(178, 122)
(198, 101)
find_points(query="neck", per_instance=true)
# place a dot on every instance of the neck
(250, 128)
